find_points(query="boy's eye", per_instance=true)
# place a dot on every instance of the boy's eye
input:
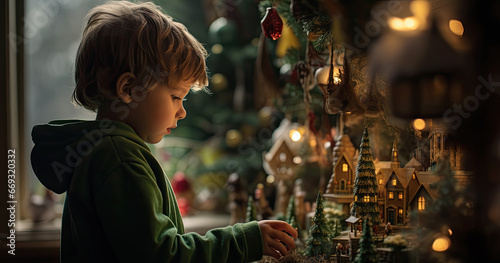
(174, 98)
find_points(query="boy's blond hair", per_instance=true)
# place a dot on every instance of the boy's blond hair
(138, 38)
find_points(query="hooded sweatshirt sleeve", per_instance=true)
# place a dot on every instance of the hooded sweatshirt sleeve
(132, 212)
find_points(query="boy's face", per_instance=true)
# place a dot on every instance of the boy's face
(157, 114)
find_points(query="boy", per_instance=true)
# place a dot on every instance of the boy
(134, 66)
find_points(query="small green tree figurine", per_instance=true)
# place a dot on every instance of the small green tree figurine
(367, 252)
(365, 184)
(290, 211)
(319, 242)
(251, 214)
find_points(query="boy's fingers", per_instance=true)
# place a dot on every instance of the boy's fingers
(276, 245)
(282, 225)
(282, 236)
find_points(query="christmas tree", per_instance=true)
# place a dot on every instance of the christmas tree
(318, 243)
(251, 214)
(367, 252)
(365, 184)
(290, 211)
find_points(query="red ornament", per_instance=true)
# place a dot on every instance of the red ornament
(272, 24)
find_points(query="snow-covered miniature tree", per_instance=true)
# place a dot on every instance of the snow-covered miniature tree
(367, 252)
(365, 184)
(251, 214)
(319, 242)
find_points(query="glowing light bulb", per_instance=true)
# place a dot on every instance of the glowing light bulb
(396, 23)
(411, 23)
(297, 160)
(270, 179)
(456, 27)
(295, 135)
(441, 244)
(419, 124)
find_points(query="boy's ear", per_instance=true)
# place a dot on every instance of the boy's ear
(124, 86)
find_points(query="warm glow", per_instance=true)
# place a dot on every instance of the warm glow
(400, 211)
(420, 9)
(366, 199)
(380, 181)
(456, 27)
(397, 23)
(391, 195)
(450, 232)
(400, 195)
(419, 124)
(394, 182)
(411, 23)
(295, 135)
(441, 244)
(421, 203)
(345, 167)
(270, 179)
(297, 160)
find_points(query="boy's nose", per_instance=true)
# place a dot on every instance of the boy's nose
(181, 114)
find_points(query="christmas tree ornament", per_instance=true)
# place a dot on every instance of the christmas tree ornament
(338, 92)
(224, 32)
(271, 24)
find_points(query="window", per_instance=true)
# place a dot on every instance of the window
(355, 198)
(394, 182)
(391, 195)
(400, 211)
(366, 199)
(413, 177)
(342, 184)
(345, 168)
(421, 203)
(400, 195)
(380, 181)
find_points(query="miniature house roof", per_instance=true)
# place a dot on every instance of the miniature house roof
(343, 145)
(379, 165)
(413, 163)
(433, 193)
(403, 175)
(279, 160)
(352, 219)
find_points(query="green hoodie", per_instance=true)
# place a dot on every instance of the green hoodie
(119, 205)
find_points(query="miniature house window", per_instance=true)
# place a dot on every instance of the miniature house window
(345, 168)
(391, 195)
(394, 182)
(413, 177)
(355, 198)
(400, 211)
(421, 203)
(366, 199)
(282, 157)
(342, 184)
(400, 195)
(380, 181)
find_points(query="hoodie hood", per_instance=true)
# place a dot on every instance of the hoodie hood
(61, 145)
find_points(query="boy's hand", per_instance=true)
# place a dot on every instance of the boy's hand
(276, 237)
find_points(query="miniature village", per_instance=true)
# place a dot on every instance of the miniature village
(367, 138)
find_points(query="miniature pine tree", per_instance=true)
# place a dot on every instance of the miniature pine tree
(365, 184)
(319, 243)
(251, 214)
(336, 228)
(290, 211)
(367, 252)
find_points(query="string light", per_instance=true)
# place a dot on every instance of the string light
(456, 27)
(441, 244)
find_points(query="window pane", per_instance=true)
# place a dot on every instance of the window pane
(52, 35)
